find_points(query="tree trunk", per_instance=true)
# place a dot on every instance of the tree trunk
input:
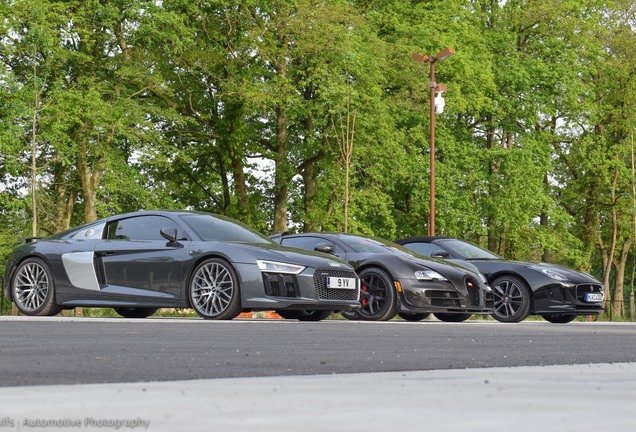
(544, 222)
(34, 151)
(240, 183)
(309, 199)
(610, 256)
(90, 177)
(282, 172)
(618, 306)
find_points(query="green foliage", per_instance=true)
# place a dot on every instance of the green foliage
(238, 107)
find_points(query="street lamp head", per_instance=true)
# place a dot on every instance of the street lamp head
(440, 103)
(444, 54)
(420, 58)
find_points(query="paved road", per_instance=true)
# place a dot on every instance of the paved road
(47, 351)
(449, 377)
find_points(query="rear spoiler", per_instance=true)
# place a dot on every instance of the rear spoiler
(30, 239)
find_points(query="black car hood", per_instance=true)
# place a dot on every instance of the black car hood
(493, 266)
(442, 266)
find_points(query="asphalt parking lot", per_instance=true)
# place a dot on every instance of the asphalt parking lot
(554, 392)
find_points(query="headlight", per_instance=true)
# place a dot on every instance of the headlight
(279, 267)
(429, 275)
(549, 273)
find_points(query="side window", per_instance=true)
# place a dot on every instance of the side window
(140, 228)
(427, 249)
(308, 243)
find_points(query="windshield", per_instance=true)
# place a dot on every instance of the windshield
(218, 228)
(371, 245)
(468, 250)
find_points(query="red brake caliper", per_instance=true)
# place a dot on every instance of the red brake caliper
(364, 301)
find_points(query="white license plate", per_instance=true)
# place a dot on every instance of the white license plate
(593, 297)
(341, 283)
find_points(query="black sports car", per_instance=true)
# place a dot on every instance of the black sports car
(556, 293)
(394, 280)
(139, 262)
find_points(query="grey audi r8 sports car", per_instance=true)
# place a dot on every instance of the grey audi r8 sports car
(556, 293)
(395, 280)
(139, 262)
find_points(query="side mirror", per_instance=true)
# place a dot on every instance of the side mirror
(440, 254)
(324, 248)
(169, 234)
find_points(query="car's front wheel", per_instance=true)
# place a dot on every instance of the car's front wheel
(559, 318)
(377, 295)
(33, 289)
(135, 312)
(305, 315)
(452, 317)
(214, 290)
(512, 299)
(414, 316)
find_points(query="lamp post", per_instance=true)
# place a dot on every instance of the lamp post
(439, 107)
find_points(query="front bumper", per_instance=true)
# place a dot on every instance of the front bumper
(305, 291)
(561, 298)
(436, 296)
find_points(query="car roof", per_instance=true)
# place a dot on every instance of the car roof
(422, 239)
(330, 235)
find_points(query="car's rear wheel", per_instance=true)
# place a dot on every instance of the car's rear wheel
(559, 318)
(214, 290)
(452, 317)
(135, 312)
(33, 289)
(512, 299)
(305, 315)
(414, 316)
(377, 295)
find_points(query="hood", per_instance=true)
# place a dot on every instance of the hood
(275, 252)
(494, 266)
(443, 266)
(438, 263)
(571, 275)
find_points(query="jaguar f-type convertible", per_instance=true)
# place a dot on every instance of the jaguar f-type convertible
(139, 262)
(556, 293)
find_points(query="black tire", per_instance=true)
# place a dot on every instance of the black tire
(33, 289)
(135, 312)
(452, 317)
(512, 299)
(305, 315)
(214, 291)
(379, 301)
(352, 315)
(559, 318)
(414, 316)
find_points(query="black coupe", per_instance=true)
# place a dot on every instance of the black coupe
(556, 293)
(395, 280)
(139, 262)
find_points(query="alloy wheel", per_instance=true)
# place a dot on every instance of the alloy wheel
(31, 285)
(33, 288)
(213, 290)
(377, 295)
(512, 300)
